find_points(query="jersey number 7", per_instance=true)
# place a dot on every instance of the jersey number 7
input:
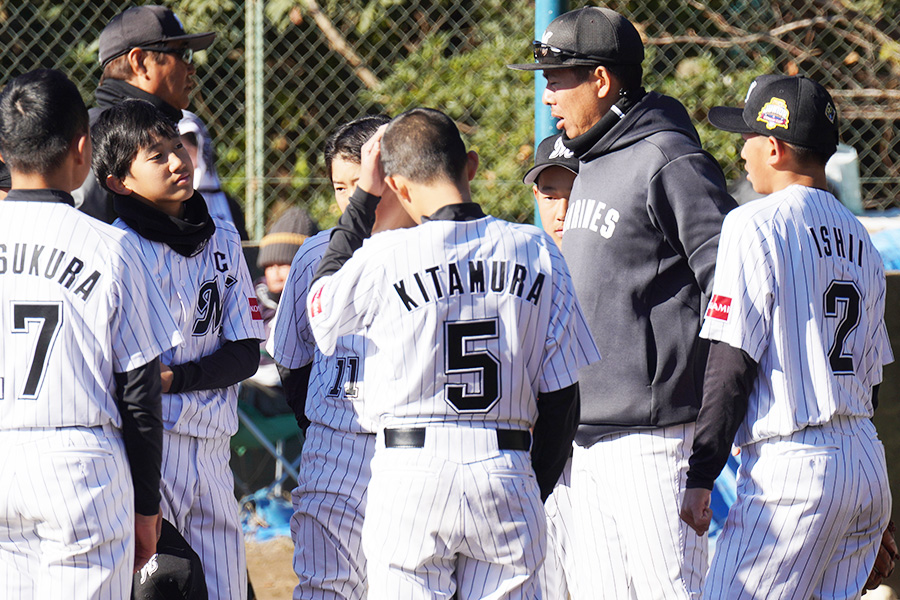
(49, 318)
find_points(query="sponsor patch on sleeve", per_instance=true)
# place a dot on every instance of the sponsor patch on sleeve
(315, 305)
(255, 313)
(719, 308)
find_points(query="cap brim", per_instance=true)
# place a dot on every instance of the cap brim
(571, 62)
(194, 41)
(728, 118)
(532, 174)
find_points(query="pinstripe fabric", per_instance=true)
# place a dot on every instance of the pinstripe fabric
(329, 502)
(777, 274)
(557, 575)
(75, 307)
(198, 499)
(67, 515)
(329, 506)
(336, 382)
(628, 540)
(209, 298)
(457, 514)
(804, 290)
(459, 506)
(810, 510)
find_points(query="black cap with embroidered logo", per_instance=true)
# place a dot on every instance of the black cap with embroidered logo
(551, 153)
(793, 109)
(147, 27)
(587, 36)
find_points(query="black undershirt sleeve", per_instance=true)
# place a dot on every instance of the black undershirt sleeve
(875, 396)
(354, 226)
(554, 430)
(296, 383)
(729, 379)
(138, 394)
(234, 362)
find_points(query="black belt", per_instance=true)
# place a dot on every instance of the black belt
(414, 437)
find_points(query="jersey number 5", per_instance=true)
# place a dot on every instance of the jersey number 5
(49, 318)
(460, 360)
(842, 293)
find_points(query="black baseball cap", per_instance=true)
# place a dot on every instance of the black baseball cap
(587, 36)
(793, 109)
(146, 27)
(551, 153)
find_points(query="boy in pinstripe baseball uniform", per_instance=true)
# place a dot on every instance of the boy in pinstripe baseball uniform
(551, 178)
(330, 499)
(81, 328)
(475, 337)
(799, 341)
(198, 261)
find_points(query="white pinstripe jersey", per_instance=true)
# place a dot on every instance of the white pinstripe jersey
(466, 322)
(211, 298)
(336, 383)
(76, 306)
(800, 288)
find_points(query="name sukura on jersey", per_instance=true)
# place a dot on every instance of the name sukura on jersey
(480, 277)
(832, 242)
(41, 261)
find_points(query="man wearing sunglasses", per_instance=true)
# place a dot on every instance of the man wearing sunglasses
(145, 53)
(640, 238)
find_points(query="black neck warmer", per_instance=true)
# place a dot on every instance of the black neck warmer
(587, 140)
(114, 91)
(186, 235)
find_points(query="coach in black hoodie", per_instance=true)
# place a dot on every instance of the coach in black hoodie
(145, 54)
(640, 239)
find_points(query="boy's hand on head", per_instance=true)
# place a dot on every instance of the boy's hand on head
(371, 175)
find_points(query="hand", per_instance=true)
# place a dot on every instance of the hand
(371, 175)
(166, 377)
(146, 534)
(695, 510)
(884, 560)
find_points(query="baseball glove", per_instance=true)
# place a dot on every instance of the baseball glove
(884, 562)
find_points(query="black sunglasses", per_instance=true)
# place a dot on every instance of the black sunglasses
(185, 54)
(547, 54)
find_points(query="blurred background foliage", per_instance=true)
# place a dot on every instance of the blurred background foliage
(328, 61)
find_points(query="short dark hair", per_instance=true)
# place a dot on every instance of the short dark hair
(630, 77)
(347, 140)
(810, 157)
(41, 114)
(122, 131)
(119, 67)
(424, 146)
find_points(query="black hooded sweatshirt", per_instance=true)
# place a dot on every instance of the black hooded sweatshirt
(640, 239)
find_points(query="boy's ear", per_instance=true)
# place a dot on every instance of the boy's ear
(471, 164)
(399, 185)
(778, 152)
(136, 58)
(82, 149)
(117, 186)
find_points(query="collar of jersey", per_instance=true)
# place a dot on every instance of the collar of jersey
(467, 211)
(45, 195)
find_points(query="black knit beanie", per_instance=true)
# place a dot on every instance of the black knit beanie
(279, 246)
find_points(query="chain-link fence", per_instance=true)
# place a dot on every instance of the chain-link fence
(326, 61)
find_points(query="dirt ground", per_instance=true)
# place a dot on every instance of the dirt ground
(271, 571)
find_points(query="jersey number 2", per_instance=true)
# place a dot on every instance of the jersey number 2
(49, 318)
(842, 293)
(460, 360)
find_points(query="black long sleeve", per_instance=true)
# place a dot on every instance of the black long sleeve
(730, 375)
(354, 226)
(138, 394)
(230, 364)
(296, 383)
(554, 430)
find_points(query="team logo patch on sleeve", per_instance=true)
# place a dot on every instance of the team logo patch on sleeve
(255, 314)
(315, 305)
(719, 308)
